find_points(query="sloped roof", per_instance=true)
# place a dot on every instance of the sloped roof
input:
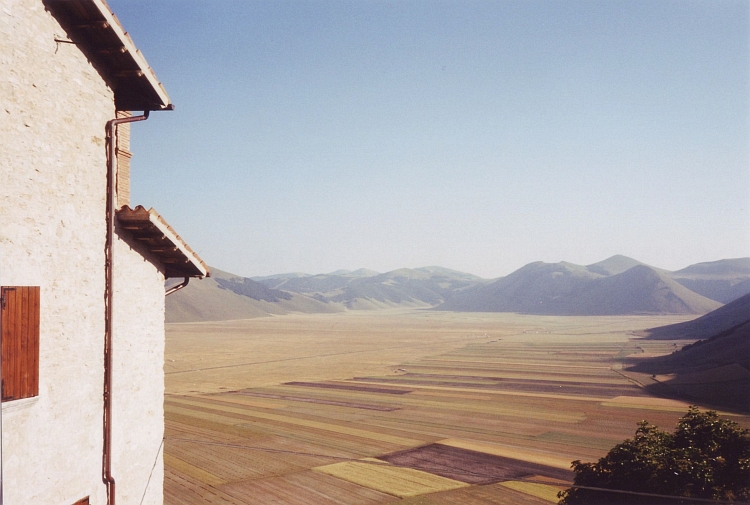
(97, 32)
(158, 238)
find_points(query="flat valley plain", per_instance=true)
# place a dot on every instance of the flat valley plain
(402, 406)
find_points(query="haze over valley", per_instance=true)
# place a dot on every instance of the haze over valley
(615, 286)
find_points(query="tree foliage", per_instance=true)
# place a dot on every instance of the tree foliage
(706, 457)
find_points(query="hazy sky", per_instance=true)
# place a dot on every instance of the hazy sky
(475, 135)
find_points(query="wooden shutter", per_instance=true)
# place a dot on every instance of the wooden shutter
(82, 501)
(19, 325)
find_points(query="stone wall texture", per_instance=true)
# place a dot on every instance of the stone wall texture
(53, 110)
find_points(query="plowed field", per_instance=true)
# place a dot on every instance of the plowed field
(412, 407)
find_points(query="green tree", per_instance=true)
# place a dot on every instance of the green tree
(706, 457)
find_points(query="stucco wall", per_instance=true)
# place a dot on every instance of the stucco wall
(53, 111)
(138, 377)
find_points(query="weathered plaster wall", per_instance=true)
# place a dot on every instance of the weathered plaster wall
(53, 111)
(138, 377)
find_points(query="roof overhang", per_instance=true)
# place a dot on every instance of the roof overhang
(158, 238)
(97, 32)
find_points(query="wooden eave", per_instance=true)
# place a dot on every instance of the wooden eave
(93, 27)
(153, 233)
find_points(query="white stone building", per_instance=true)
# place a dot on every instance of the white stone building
(82, 314)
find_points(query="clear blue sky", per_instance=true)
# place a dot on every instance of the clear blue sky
(475, 135)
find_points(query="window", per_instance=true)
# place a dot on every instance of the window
(19, 328)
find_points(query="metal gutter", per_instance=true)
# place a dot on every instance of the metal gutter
(2, 302)
(170, 291)
(111, 130)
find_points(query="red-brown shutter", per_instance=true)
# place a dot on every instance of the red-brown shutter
(82, 501)
(19, 324)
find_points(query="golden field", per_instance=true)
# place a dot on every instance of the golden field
(400, 406)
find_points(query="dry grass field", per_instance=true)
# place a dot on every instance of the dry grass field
(400, 406)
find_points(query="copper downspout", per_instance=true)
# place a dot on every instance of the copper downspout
(172, 290)
(111, 130)
(2, 302)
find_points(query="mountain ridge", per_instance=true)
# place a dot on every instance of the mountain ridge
(616, 285)
(568, 289)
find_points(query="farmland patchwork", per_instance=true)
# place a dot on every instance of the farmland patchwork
(485, 420)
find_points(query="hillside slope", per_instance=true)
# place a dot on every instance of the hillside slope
(225, 296)
(568, 289)
(731, 346)
(537, 288)
(364, 289)
(411, 287)
(614, 265)
(714, 370)
(640, 290)
(723, 280)
(719, 320)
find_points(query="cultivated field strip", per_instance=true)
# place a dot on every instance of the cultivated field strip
(502, 408)
(468, 393)
(222, 409)
(397, 481)
(305, 488)
(470, 466)
(551, 458)
(494, 420)
(538, 385)
(494, 494)
(543, 491)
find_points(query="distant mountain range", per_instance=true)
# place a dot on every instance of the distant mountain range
(365, 289)
(723, 281)
(617, 285)
(225, 296)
